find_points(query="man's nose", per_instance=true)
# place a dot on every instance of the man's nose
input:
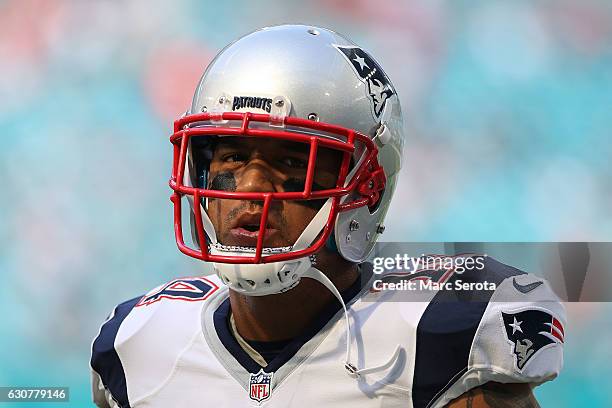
(256, 176)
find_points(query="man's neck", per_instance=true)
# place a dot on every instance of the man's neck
(286, 315)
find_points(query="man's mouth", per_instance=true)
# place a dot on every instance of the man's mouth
(246, 230)
(251, 231)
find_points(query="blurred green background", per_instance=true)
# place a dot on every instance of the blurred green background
(508, 122)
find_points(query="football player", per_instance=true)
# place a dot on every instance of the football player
(285, 166)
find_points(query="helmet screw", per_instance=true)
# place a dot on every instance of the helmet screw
(222, 99)
(204, 109)
(313, 116)
(380, 229)
(368, 235)
(348, 237)
(354, 225)
(279, 103)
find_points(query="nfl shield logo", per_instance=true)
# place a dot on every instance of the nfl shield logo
(259, 386)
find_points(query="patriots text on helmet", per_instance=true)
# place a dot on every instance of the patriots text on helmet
(254, 102)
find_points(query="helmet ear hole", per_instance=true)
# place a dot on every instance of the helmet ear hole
(374, 207)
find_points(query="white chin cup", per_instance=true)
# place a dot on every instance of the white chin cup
(261, 279)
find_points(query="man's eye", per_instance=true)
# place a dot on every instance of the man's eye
(235, 157)
(294, 163)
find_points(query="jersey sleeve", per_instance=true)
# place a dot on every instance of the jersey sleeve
(139, 345)
(101, 396)
(519, 339)
(521, 336)
(108, 375)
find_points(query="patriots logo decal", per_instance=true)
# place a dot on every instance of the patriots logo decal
(379, 86)
(189, 289)
(530, 331)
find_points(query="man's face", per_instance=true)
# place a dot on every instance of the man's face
(248, 164)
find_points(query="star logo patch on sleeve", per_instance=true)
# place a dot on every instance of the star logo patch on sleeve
(530, 331)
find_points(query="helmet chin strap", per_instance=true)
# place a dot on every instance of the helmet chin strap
(351, 368)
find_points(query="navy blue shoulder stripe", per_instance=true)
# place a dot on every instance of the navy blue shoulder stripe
(104, 358)
(446, 331)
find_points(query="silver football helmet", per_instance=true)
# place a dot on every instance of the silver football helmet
(307, 85)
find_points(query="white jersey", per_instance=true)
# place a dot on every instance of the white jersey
(173, 347)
